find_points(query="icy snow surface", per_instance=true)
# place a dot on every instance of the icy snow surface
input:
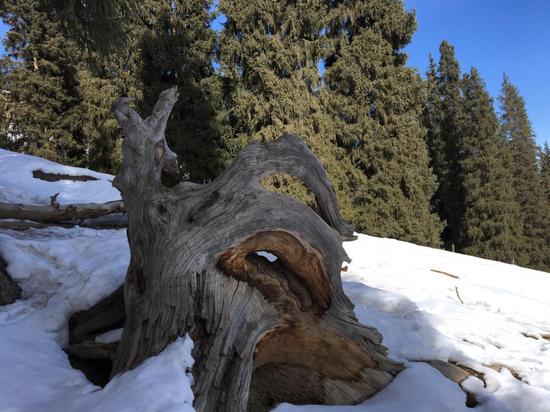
(428, 304)
(18, 186)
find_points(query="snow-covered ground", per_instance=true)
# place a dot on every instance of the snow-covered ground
(428, 304)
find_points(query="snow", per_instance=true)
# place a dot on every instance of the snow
(17, 184)
(428, 304)
(59, 274)
(110, 336)
(269, 256)
(419, 388)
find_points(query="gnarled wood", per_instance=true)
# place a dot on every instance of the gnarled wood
(194, 269)
(104, 316)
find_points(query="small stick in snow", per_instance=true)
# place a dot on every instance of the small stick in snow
(445, 273)
(53, 201)
(458, 295)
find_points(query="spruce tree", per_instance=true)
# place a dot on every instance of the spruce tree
(268, 55)
(43, 98)
(445, 142)
(516, 129)
(375, 103)
(492, 226)
(545, 180)
(175, 49)
(544, 156)
(5, 142)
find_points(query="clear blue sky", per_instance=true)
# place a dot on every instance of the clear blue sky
(495, 36)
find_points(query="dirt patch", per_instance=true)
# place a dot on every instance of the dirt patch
(9, 290)
(56, 177)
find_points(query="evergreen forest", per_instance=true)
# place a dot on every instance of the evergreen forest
(426, 158)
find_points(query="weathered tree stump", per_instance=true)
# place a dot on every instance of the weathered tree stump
(264, 332)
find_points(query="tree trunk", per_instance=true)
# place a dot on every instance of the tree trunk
(264, 332)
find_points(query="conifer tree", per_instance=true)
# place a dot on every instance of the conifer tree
(375, 103)
(544, 156)
(492, 221)
(545, 179)
(516, 129)
(101, 136)
(445, 142)
(4, 95)
(432, 113)
(43, 98)
(176, 48)
(268, 56)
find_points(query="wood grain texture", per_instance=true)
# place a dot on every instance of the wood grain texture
(194, 270)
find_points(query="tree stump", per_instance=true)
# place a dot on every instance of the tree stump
(265, 330)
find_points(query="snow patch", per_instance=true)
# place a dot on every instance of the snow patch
(17, 184)
(269, 256)
(109, 337)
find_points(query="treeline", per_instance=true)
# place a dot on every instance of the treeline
(426, 161)
(493, 179)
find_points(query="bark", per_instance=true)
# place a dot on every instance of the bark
(112, 221)
(104, 316)
(59, 213)
(264, 332)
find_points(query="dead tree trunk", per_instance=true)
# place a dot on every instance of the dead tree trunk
(264, 332)
(59, 213)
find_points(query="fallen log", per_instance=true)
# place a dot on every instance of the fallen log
(57, 213)
(104, 316)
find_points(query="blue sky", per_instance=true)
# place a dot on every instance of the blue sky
(495, 36)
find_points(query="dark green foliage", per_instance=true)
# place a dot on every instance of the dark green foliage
(443, 118)
(544, 156)
(97, 25)
(361, 121)
(516, 129)
(5, 142)
(492, 226)
(375, 104)
(268, 53)
(176, 49)
(42, 104)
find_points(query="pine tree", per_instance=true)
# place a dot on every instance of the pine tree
(176, 49)
(5, 142)
(375, 103)
(43, 98)
(492, 226)
(445, 142)
(268, 55)
(516, 129)
(97, 26)
(101, 135)
(544, 156)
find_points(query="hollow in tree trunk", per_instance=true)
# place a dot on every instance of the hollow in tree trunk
(265, 331)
